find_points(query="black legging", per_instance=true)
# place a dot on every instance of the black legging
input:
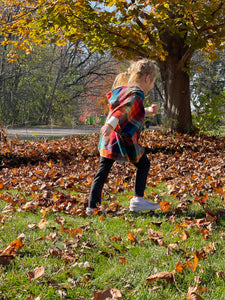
(104, 168)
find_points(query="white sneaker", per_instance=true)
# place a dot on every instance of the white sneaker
(139, 203)
(89, 211)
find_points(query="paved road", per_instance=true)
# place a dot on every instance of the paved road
(39, 132)
(49, 132)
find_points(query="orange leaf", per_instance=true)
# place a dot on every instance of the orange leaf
(76, 232)
(123, 259)
(116, 239)
(194, 265)
(164, 205)
(14, 246)
(201, 199)
(44, 212)
(180, 267)
(132, 238)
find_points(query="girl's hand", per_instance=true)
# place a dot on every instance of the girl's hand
(151, 110)
(106, 129)
(154, 109)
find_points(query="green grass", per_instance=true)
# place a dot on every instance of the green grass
(218, 131)
(115, 262)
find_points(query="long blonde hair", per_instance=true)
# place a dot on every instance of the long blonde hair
(141, 68)
(120, 80)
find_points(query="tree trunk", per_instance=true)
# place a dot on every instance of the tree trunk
(175, 76)
(177, 95)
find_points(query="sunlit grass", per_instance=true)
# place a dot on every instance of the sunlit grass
(114, 260)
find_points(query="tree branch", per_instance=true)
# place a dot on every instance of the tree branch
(187, 55)
(143, 27)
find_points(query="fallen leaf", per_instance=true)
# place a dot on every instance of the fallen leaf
(6, 259)
(191, 294)
(60, 220)
(55, 251)
(116, 239)
(14, 246)
(220, 274)
(131, 237)
(168, 276)
(52, 236)
(108, 294)
(180, 267)
(42, 224)
(123, 259)
(185, 235)
(164, 205)
(36, 273)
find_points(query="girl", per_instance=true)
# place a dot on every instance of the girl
(120, 134)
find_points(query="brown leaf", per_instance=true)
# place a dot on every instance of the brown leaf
(220, 274)
(55, 251)
(52, 236)
(185, 235)
(156, 223)
(60, 220)
(162, 275)
(205, 233)
(36, 273)
(6, 259)
(108, 294)
(68, 258)
(42, 224)
(191, 295)
(173, 247)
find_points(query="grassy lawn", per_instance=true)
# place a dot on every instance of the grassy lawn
(49, 248)
(120, 250)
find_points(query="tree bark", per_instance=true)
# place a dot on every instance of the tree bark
(176, 81)
(177, 95)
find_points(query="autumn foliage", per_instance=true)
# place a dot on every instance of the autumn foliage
(56, 175)
(190, 165)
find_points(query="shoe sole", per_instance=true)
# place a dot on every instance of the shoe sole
(135, 209)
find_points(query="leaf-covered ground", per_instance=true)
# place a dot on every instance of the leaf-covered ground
(54, 176)
(190, 165)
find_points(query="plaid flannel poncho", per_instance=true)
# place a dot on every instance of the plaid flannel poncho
(126, 104)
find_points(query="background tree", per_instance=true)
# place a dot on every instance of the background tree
(167, 31)
(52, 84)
(208, 91)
